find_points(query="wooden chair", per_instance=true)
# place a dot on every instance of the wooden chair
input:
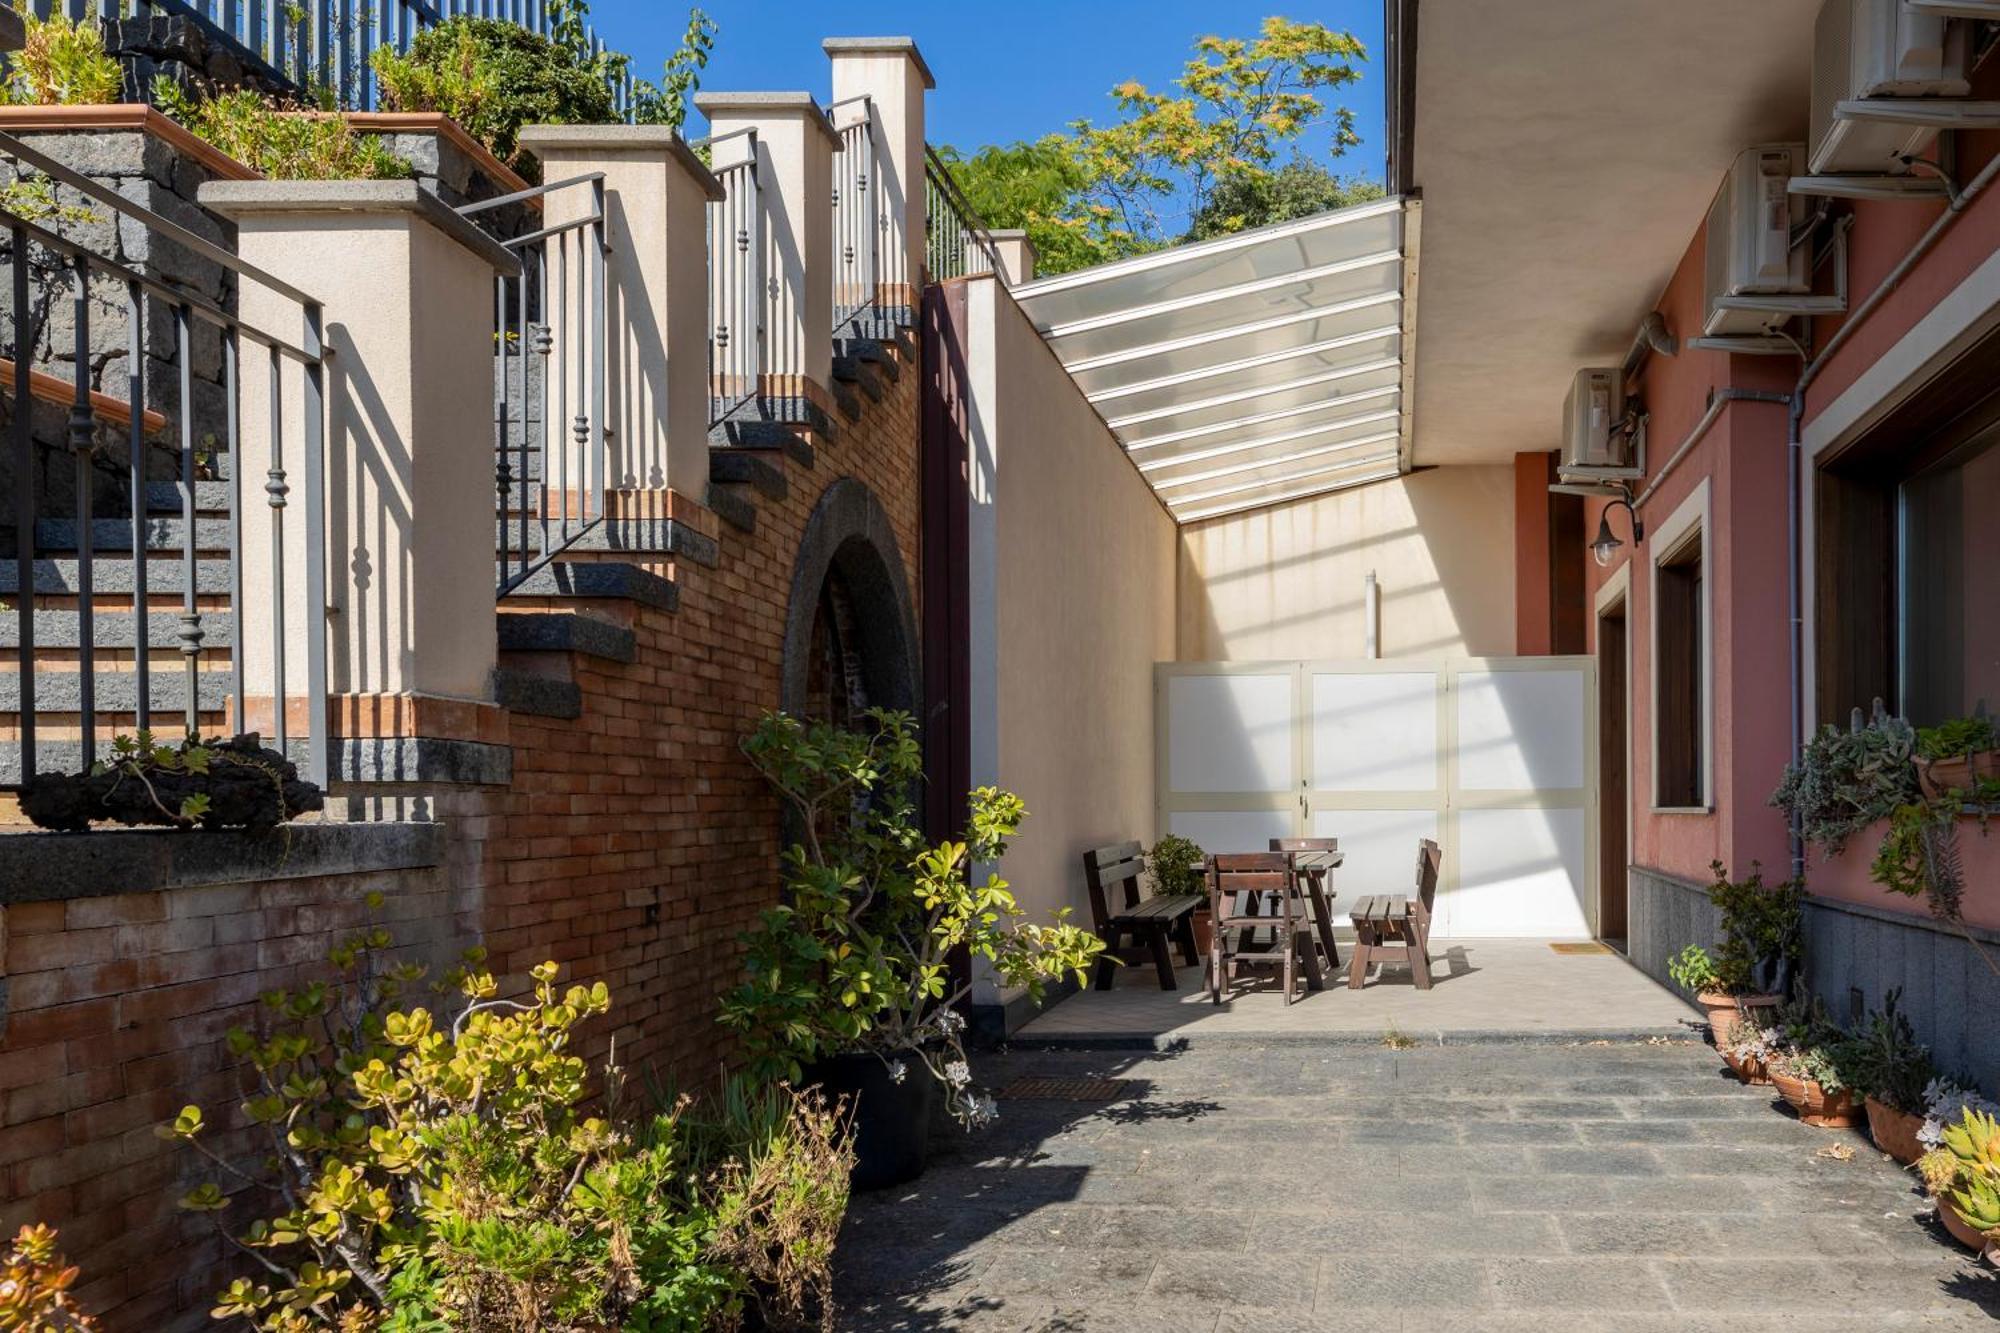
(1326, 894)
(1235, 883)
(1120, 907)
(1396, 929)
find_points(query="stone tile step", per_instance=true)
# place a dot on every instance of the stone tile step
(211, 498)
(562, 632)
(861, 374)
(62, 576)
(738, 467)
(539, 696)
(114, 629)
(880, 354)
(60, 691)
(115, 534)
(893, 327)
(845, 397)
(613, 579)
(776, 436)
(652, 536)
(734, 508)
(796, 411)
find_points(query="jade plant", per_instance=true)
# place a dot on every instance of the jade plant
(456, 1168)
(1759, 948)
(858, 956)
(35, 1282)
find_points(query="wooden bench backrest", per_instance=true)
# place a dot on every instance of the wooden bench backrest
(1429, 858)
(1251, 872)
(1115, 877)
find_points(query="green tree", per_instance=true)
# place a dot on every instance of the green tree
(666, 103)
(1039, 186)
(1296, 190)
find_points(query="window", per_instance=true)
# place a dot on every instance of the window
(1948, 584)
(1680, 652)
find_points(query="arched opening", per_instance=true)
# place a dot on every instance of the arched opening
(850, 629)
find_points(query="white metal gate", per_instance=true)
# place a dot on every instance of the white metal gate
(1493, 757)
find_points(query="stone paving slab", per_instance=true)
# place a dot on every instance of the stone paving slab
(1586, 1188)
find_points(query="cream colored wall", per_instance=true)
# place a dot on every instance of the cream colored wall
(1289, 581)
(1080, 604)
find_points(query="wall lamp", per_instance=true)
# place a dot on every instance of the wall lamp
(1605, 545)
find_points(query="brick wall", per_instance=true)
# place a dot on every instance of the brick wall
(633, 845)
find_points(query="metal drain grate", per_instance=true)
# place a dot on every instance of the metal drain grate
(1582, 948)
(1067, 1089)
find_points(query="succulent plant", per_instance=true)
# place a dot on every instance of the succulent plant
(1965, 1171)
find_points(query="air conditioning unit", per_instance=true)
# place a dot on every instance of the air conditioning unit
(1872, 49)
(1601, 439)
(1749, 251)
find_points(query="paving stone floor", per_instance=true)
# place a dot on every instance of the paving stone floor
(1553, 1188)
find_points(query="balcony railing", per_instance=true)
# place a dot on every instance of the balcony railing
(858, 221)
(309, 44)
(94, 676)
(550, 334)
(736, 287)
(956, 242)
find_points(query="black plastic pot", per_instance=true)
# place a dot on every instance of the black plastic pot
(892, 1121)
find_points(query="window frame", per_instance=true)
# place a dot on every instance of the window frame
(1690, 521)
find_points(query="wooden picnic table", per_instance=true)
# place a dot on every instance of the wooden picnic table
(1315, 869)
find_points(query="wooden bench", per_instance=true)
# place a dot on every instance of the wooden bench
(1121, 910)
(1392, 928)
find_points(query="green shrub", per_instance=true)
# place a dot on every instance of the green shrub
(453, 1170)
(284, 142)
(1891, 1065)
(62, 63)
(858, 955)
(1693, 970)
(1761, 928)
(494, 77)
(1957, 738)
(1175, 864)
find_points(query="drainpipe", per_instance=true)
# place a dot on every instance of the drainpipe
(1721, 399)
(1795, 448)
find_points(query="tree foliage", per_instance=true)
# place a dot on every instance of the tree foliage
(1218, 152)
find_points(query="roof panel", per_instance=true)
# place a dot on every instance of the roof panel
(1238, 370)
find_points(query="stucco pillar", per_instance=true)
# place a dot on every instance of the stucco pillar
(795, 144)
(891, 72)
(1017, 255)
(656, 193)
(406, 288)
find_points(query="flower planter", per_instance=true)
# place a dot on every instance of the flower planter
(1815, 1105)
(1750, 1069)
(1894, 1132)
(892, 1121)
(1203, 926)
(453, 165)
(1961, 1230)
(1721, 1009)
(1938, 776)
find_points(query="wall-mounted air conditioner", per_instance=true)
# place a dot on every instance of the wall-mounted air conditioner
(1749, 251)
(1603, 432)
(1873, 49)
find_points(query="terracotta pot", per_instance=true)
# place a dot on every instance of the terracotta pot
(1894, 1132)
(1815, 1105)
(1938, 776)
(1750, 1070)
(1961, 1230)
(1204, 932)
(1722, 1009)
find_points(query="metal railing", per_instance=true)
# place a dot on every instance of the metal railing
(310, 44)
(858, 222)
(736, 287)
(550, 334)
(956, 242)
(63, 729)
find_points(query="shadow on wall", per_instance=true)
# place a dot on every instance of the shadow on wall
(1287, 582)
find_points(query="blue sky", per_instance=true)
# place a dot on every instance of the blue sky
(1004, 72)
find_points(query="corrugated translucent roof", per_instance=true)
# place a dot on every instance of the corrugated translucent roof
(1262, 367)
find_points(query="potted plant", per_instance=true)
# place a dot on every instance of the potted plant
(1844, 781)
(1963, 1174)
(1814, 1068)
(1751, 968)
(1177, 867)
(1747, 1047)
(1893, 1071)
(1958, 755)
(853, 980)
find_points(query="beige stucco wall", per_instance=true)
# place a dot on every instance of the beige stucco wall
(1078, 601)
(1289, 581)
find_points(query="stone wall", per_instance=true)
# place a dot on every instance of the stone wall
(1854, 955)
(126, 958)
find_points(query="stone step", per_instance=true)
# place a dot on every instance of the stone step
(800, 413)
(861, 374)
(874, 351)
(744, 467)
(115, 534)
(61, 577)
(113, 629)
(562, 632)
(600, 579)
(651, 536)
(729, 504)
(893, 327)
(211, 498)
(61, 691)
(773, 436)
(537, 696)
(846, 398)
